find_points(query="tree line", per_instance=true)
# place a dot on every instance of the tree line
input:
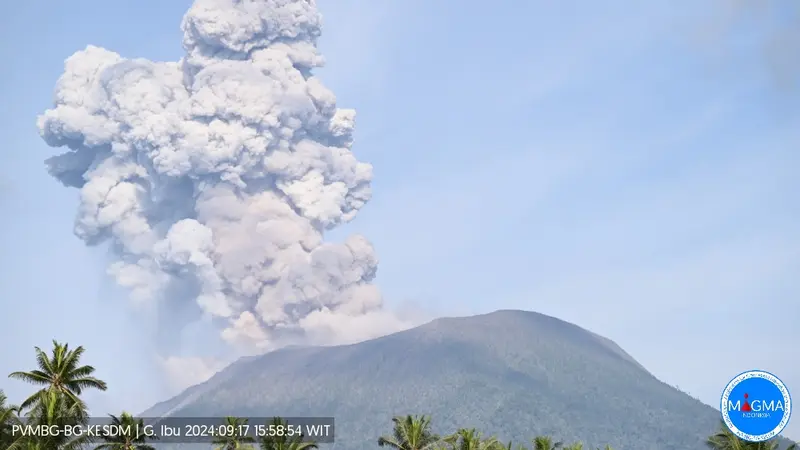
(61, 379)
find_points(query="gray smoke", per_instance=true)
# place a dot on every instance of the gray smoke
(213, 179)
(777, 26)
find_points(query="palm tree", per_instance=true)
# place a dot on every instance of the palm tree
(285, 442)
(545, 443)
(510, 446)
(471, 439)
(61, 373)
(28, 445)
(411, 433)
(234, 440)
(130, 435)
(575, 446)
(53, 409)
(724, 439)
(8, 416)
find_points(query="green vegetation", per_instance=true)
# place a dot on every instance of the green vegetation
(235, 440)
(61, 380)
(126, 441)
(509, 374)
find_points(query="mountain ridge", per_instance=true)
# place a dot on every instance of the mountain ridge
(228, 371)
(511, 373)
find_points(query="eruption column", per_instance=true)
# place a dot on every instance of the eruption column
(214, 178)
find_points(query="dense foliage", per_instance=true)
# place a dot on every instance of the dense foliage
(61, 379)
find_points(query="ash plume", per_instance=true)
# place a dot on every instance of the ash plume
(777, 26)
(214, 178)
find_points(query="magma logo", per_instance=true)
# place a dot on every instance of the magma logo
(756, 406)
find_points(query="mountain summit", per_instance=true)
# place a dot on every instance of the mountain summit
(515, 374)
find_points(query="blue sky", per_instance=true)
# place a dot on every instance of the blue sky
(632, 169)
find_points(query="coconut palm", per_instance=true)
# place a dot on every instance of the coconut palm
(724, 439)
(61, 372)
(233, 440)
(510, 446)
(130, 434)
(8, 416)
(470, 439)
(51, 409)
(411, 433)
(284, 441)
(545, 443)
(29, 445)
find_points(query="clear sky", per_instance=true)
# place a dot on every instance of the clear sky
(631, 169)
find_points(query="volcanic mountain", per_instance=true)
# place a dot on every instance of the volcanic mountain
(513, 374)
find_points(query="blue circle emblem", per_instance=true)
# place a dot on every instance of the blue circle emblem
(756, 406)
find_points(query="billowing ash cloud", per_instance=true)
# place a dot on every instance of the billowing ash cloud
(214, 178)
(777, 24)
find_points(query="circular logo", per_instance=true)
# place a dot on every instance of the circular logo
(756, 406)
